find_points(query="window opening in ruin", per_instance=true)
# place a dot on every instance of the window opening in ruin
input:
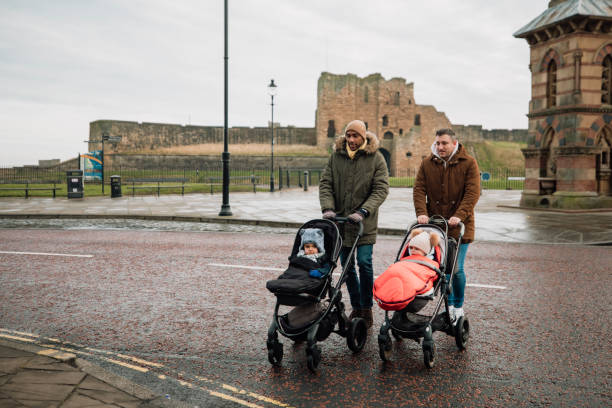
(417, 120)
(397, 98)
(401, 131)
(408, 154)
(606, 81)
(331, 129)
(366, 95)
(385, 120)
(551, 85)
(388, 135)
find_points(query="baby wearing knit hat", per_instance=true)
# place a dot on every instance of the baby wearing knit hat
(421, 242)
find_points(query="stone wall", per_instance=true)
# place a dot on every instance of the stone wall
(475, 133)
(151, 161)
(145, 136)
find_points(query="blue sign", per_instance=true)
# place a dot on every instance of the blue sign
(485, 176)
(92, 165)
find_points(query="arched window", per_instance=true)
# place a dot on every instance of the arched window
(606, 81)
(397, 98)
(417, 120)
(388, 135)
(331, 129)
(385, 120)
(551, 85)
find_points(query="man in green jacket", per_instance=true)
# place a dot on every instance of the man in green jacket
(354, 184)
(448, 184)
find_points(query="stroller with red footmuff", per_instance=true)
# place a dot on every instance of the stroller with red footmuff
(310, 301)
(411, 283)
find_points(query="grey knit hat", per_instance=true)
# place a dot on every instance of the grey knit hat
(313, 236)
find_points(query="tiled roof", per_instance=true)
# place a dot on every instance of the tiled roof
(565, 10)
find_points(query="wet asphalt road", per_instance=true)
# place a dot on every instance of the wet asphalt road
(541, 341)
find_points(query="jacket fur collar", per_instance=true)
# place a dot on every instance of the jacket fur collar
(371, 147)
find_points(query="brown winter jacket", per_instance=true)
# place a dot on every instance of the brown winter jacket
(449, 189)
(347, 185)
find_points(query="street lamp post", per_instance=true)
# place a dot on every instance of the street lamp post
(105, 137)
(225, 157)
(272, 91)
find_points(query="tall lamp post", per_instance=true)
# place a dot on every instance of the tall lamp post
(225, 157)
(272, 91)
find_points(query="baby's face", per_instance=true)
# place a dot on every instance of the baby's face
(416, 251)
(310, 249)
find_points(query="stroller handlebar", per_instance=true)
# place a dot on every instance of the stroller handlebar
(461, 225)
(342, 220)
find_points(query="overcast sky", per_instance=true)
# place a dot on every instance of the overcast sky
(65, 63)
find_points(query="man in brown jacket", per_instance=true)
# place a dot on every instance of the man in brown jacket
(448, 184)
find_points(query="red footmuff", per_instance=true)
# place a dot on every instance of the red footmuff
(402, 281)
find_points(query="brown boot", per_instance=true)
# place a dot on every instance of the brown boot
(355, 313)
(366, 314)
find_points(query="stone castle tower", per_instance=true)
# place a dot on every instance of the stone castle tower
(567, 161)
(405, 129)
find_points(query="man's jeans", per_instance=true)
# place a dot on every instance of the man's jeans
(456, 297)
(360, 289)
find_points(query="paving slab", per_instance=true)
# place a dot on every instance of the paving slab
(34, 380)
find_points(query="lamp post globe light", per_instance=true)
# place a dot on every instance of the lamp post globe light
(272, 91)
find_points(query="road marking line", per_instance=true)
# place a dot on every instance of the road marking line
(247, 267)
(121, 363)
(481, 285)
(233, 399)
(141, 361)
(18, 332)
(56, 354)
(252, 394)
(45, 253)
(6, 336)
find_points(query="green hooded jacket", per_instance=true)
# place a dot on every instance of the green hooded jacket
(347, 185)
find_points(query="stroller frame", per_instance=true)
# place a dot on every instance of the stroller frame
(417, 326)
(354, 330)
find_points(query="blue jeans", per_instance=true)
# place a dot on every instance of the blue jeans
(359, 288)
(456, 297)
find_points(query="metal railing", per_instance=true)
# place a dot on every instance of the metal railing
(491, 179)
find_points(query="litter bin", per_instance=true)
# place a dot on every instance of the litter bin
(115, 186)
(74, 180)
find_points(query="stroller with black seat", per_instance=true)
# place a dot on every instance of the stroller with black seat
(316, 302)
(408, 285)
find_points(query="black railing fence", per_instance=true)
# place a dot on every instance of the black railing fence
(491, 179)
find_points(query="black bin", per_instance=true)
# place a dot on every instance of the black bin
(115, 186)
(74, 180)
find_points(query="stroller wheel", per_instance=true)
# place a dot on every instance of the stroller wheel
(462, 333)
(313, 358)
(429, 355)
(384, 347)
(357, 335)
(275, 353)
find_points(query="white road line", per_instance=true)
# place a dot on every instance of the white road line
(44, 253)
(481, 285)
(265, 268)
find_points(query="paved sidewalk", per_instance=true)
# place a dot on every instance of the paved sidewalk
(32, 376)
(498, 217)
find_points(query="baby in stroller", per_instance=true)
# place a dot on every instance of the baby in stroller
(313, 248)
(315, 300)
(421, 274)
